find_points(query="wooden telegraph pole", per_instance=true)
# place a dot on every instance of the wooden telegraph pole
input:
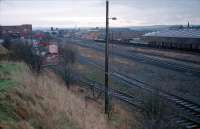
(107, 60)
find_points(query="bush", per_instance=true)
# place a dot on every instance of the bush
(69, 58)
(68, 52)
(23, 52)
(6, 43)
(157, 114)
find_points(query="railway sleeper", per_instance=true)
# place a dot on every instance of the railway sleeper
(187, 124)
(188, 108)
(190, 105)
(186, 103)
(191, 113)
(193, 126)
(190, 125)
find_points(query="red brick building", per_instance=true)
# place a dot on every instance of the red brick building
(21, 31)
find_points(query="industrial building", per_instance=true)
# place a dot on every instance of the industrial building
(187, 39)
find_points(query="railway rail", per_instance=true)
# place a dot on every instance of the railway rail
(190, 121)
(183, 121)
(152, 61)
(189, 116)
(190, 109)
(98, 86)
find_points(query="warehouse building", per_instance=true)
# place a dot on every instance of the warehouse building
(187, 39)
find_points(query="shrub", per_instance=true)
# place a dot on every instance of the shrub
(6, 43)
(68, 52)
(157, 114)
(23, 52)
(69, 58)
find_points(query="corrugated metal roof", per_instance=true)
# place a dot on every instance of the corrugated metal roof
(182, 33)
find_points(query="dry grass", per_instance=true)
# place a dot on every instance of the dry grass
(43, 102)
(3, 53)
(89, 53)
(3, 50)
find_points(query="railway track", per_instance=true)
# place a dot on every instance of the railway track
(98, 86)
(132, 100)
(181, 120)
(148, 60)
(189, 116)
(190, 109)
(186, 123)
(183, 104)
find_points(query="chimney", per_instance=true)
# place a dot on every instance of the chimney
(188, 26)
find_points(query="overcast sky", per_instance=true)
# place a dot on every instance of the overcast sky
(85, 13)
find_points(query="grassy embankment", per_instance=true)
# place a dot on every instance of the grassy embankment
(28, 101)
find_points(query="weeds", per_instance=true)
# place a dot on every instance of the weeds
(23, 52)
(157, 114)
(43, 102)
(69, 58)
